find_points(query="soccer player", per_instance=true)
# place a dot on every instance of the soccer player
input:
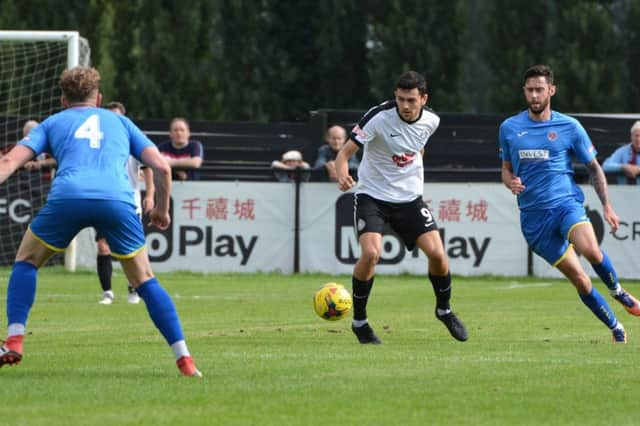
(103, 261)
(389, 192)
(91, 146)
(537, 147)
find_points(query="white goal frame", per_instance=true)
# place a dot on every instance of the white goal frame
(72, 38)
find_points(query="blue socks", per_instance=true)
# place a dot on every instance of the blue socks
(599, 307)
(21, 292)
(606, 272)
(161, 310)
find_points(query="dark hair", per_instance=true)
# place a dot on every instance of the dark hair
(539, 71)
(116, 105)
(412, 80)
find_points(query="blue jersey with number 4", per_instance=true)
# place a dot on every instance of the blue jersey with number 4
(91, 146)
(540, 153)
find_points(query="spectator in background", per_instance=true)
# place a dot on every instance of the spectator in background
(626, 160)
(43, 162)
(285, 169)
(184, 155)
(103, 260)
(335, 137)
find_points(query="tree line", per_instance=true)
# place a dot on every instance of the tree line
(276, 60)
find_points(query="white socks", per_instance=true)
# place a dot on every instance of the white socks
(179, 349)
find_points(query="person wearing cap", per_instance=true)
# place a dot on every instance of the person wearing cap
(625, 161)
(284, 169)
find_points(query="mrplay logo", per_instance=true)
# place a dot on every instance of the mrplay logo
(393, 250)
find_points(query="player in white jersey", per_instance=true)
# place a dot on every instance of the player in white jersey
(103, 261)
(389, 192)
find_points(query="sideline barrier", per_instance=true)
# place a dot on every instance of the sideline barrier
(251, 227)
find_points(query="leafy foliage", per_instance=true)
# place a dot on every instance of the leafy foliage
(270, 60)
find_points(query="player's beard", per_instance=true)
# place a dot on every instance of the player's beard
(542, 105)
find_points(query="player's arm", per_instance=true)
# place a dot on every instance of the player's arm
(348, 150)
(41, 164)
(510, 180)
(162, 184)
(150, 190)
(193, 162)
(599, 182)
(186, 163)
(15, 159)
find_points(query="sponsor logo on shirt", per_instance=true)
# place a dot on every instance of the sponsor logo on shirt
(533, 154)
(521, 134)
(404, 159)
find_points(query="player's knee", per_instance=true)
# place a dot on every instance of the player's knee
(593, 255)
(370, 255)
(582, 283)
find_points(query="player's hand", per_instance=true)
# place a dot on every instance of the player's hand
(160, 220)
(516, 186)
(345, 183)
(148, 204)
(31, 165)
(611, 217)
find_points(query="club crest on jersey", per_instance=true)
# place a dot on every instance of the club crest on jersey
(404, 159)
(552, 136)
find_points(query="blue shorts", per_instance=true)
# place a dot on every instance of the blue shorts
(58, 222)
(547, 231)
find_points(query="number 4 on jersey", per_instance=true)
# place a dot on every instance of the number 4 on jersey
(90, 129)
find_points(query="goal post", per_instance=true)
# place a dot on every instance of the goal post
(30, 65)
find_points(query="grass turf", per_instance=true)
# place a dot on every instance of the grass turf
(535, 356)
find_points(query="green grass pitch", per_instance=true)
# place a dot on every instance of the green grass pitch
(535, 356)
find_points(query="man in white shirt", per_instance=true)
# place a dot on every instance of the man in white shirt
(389, 192)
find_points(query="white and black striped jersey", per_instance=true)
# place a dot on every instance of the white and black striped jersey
(391, 168)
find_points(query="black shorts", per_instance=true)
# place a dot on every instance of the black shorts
(408, 220)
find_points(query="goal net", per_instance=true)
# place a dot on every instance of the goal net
(30, 65)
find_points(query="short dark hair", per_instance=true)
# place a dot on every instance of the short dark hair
(116, 105)
(412, 80)
(539, 71)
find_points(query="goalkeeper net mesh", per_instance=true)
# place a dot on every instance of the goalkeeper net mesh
(29, 73)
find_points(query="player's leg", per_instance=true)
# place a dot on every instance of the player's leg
(123, 231)
(582, 236)
(431, 245)
(362, 281)
(369, 218)
(21, 294)
(161, 309)
(570, 266)
(104, 268)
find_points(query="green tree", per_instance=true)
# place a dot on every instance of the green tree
(426, 38)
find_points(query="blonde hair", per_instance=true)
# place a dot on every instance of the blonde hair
(79, 83)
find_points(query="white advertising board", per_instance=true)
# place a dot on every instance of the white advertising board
(478, 223)
(249, 227)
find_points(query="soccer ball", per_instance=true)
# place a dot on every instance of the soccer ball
(332, 302)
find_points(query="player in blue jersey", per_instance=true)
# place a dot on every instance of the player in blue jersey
(91, 146)
(536, 148)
